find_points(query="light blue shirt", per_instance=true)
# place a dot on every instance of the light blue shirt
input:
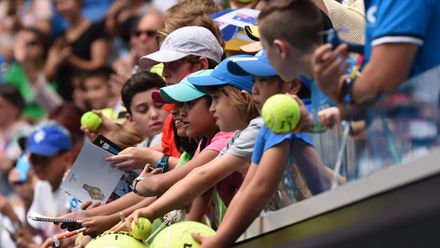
(408, 21)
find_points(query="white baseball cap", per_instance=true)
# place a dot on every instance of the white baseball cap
(190, 40)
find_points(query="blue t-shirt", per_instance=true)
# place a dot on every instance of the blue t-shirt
(267, 139)
(289, 190)
(409, 21)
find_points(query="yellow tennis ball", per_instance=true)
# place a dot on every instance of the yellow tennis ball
(281, 113)
(142, 230)
(180, 235)
(115, 240)
(91, 121)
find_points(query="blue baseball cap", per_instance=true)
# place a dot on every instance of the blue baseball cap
(221, 75)
(49, 140)
(258, 65)
(184, 91)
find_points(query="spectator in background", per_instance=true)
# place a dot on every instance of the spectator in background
(84, 45)
(49, 149)
(95, 84)
(69, 115)
(27, 74)
(11, 126)
(142, 41)
(8, 26)
(36, 14)
(17, 14)
(120, 11)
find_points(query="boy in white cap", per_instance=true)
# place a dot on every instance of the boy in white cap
(194, 46)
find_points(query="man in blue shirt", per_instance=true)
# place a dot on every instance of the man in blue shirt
(401, 42)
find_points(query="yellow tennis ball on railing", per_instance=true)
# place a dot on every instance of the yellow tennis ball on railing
(116, 240)
(180, 235)
(91, 121)
(281, 113)
(142, 230)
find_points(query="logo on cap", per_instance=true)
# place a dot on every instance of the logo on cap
(39, 136)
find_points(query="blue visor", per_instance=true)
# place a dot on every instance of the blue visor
(222, 76)
(257, 66)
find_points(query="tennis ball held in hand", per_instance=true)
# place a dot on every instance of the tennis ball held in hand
(142, 230)
(91, 121)
(281, 113)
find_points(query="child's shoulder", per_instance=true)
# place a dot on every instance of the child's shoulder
(270, 138)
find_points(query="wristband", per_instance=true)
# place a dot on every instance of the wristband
(346, 91)
(135, 182)
(163, 163)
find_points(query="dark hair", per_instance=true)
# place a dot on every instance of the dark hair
(68, 115)
(12, 95)
(104, 72)
(137, 83)
(125, 28)
(296, 21)
(37, 159)
(194, 59)
(184, 144)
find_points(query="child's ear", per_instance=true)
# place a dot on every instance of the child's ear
(294, 86)
(68, 159)
(128, 117)
(204, 63)
(282, 48)
(246, 95)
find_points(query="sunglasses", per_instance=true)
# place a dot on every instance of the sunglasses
(148, 33)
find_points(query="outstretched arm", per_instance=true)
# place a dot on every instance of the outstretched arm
(101, 223)
(253, 199)
(159, 184)
(196, 183)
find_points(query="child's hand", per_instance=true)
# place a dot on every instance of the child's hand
(72, 215)
(106, 128)
(306, 118)
(208, 242)
(58, 53)
(126, 224)
(329, 117)
(329, 67)
(98, 224)
(129, 158)
(150, 171)
(88, 204)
